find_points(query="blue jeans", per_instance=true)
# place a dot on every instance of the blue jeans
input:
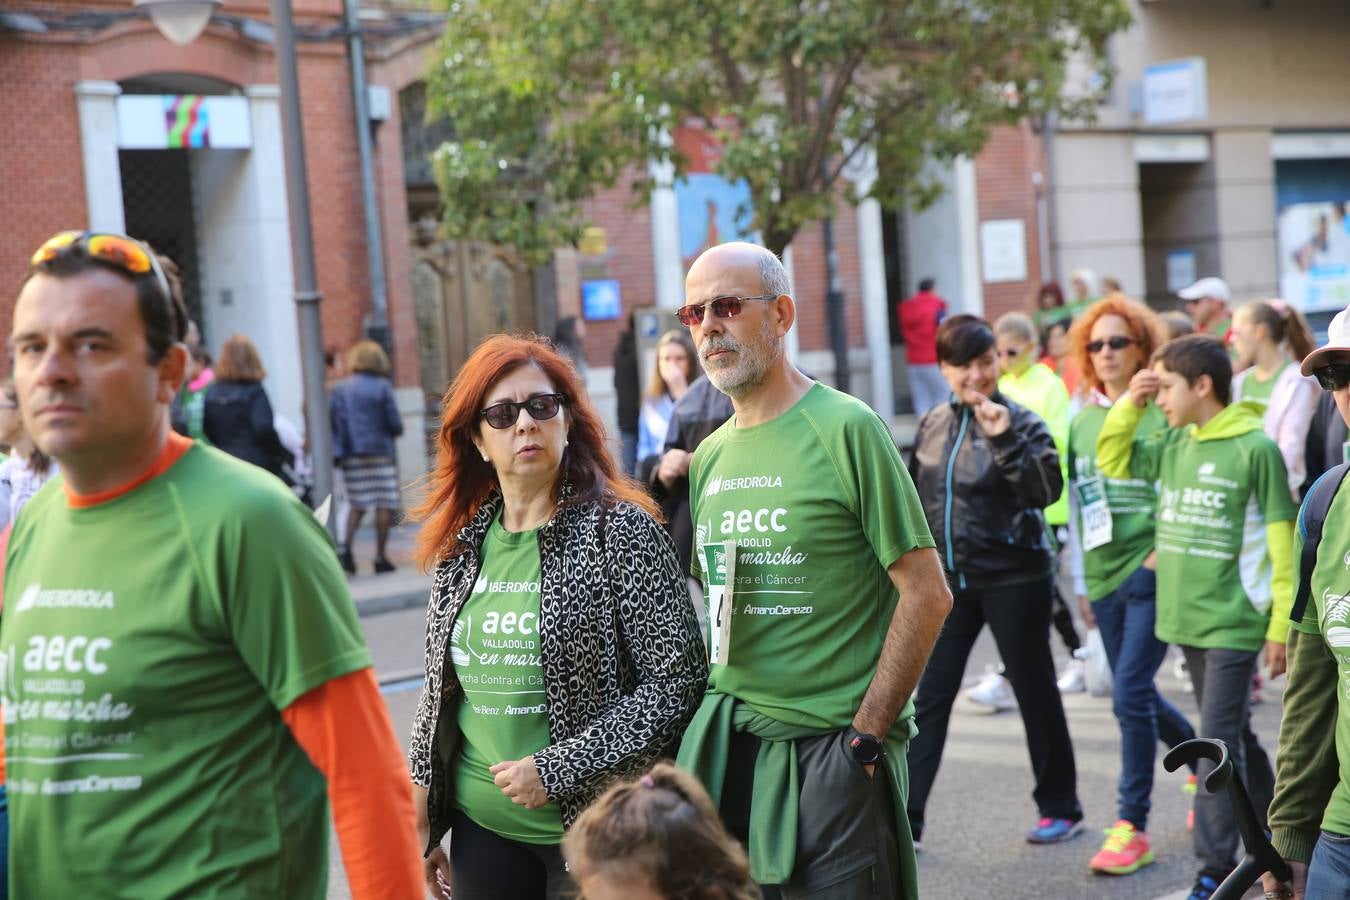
(1329, 871)
(628, 453)
(1125, 618)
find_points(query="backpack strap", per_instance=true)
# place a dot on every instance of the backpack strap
(1315, 509)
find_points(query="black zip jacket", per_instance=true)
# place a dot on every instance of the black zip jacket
(983, 497)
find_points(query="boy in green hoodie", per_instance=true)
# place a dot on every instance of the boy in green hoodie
(1225, 554)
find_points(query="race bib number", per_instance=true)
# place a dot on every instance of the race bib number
(1096, 514)
(720, 563)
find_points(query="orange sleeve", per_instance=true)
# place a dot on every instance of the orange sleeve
(344, 727)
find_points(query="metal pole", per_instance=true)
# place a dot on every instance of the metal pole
(377, 326)
(307, 295)
(834, 307)
(834, 296)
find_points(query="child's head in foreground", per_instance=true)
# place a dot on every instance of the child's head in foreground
(657, 838)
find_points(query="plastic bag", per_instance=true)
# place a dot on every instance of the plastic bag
(1096, 668)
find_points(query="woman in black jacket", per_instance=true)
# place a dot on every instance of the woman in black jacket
(985, 468)
(238, 416)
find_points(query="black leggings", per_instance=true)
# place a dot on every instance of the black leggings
(1019, 617)
(486, 866)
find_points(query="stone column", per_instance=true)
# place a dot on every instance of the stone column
(97, 102)
(792, 343)
(668, 268)
(1244, 194)
(872, 262)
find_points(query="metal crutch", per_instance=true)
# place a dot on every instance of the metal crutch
(1260, 856)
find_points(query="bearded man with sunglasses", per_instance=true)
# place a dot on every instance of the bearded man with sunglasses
(1310, 814)
(837, 598)
(184, 677)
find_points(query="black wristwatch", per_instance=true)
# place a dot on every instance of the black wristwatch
(866, 749)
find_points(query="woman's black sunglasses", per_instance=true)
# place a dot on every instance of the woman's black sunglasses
(540, 407)
(1115, 343)
(1333, 377)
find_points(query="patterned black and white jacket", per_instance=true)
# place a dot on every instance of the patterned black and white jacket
(623, 661)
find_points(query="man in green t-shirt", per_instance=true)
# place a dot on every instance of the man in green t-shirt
(1224, 545)
(807, 527)
(1310, 815)
(184, 679)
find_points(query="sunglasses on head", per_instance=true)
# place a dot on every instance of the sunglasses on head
(1333, 377)
(722, 308)
(1115, 343)
(540, 407)
(117, 250)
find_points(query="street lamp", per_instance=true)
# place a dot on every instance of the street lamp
(179, 20)
(307, 295)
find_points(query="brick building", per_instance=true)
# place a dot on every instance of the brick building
(76, 153)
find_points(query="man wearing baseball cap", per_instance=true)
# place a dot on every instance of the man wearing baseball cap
(1310, 815)
(1207, 304)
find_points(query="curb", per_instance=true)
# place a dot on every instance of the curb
(391, 603)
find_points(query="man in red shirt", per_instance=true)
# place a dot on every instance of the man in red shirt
(919, 317)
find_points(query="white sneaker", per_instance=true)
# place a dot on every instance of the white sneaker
(994, 692)
(1073, 681)
(1182, 673)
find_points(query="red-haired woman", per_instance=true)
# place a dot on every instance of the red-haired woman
(562, 651)
(1112, 522)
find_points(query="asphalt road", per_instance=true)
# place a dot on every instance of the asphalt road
(981, 805)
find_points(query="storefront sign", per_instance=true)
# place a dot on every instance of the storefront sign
(1171, 148)
(1180, 270)
(1003, 250)
(182, 121)
(600, 299)
(1175, 92)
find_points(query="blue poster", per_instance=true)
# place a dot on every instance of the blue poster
(600, 299)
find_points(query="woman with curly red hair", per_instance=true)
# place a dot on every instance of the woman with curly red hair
(562, 651)
(1112, 523)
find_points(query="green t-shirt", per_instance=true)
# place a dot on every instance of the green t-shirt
(1218, 489)
(494, 646)
(1257, 391)
(1328, 617)
(1131, 501)
(149, 645)
(820, 504)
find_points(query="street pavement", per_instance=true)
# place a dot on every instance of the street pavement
(981, 805)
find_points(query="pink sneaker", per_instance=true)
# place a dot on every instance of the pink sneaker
(1124, 851)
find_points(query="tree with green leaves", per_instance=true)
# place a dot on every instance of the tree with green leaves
(553, 100)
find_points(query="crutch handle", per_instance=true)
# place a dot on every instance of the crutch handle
(1260, 856)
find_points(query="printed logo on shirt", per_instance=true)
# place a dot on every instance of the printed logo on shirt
(1205, 475)
(1336, 619)
(1347, 559)
(480, 585)
(721, 485)
(34, 596)
(459, 654)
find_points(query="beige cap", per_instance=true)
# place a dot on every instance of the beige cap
(1337, 347)
(1207, 287)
